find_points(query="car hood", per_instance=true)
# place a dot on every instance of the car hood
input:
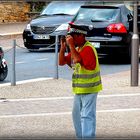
(50, 20)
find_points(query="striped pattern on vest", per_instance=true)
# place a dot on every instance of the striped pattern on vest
(87, 85)
(85, 76)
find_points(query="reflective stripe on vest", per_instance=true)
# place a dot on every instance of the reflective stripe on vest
(86, 85)
(85, 76)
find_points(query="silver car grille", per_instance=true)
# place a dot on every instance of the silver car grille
(42, 29)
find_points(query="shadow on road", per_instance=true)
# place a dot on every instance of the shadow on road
(41, 50)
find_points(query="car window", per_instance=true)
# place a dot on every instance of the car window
(97, 14)
(62, 8)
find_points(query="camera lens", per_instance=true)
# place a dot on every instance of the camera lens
(63, 38)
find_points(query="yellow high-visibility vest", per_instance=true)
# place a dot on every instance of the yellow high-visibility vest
(86, 81)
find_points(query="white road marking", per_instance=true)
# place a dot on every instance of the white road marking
(38, 99)
(119, 110)
(34, 80)
(20, 62)
(118, 95)
(66, 113)
(66, 98)
(24, 62)
(41, 59)
(4, 84)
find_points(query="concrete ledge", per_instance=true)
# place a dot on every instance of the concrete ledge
(10, 35)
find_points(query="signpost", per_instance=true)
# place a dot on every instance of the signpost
(135, 49)
(56, 57)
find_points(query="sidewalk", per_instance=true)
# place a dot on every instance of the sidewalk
(112, 84)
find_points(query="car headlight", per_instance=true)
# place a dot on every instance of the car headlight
(62, 27)
(28, 27)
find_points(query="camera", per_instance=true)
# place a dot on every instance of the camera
(63, 38)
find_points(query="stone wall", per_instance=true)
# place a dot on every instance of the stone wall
(14, 11)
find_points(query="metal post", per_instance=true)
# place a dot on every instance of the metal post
(56, 57)
(135, 50)
(13, 76)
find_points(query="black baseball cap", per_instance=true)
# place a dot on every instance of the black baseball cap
(78, 29)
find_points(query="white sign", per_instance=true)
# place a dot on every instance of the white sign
(41, 37)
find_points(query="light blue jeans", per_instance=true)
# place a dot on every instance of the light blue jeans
(84, 115)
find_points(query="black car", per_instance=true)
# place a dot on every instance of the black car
(40, 32)
(111, 28)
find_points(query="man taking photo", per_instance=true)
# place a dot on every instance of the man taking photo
(86, 79)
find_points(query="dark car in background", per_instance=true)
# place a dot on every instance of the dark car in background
(111, 30)
(40, 32)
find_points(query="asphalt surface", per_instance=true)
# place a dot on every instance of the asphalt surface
(42, 108)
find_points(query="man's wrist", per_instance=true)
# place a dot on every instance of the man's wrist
(62, 50)
(71, 46)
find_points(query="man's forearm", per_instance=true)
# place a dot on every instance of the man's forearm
(62, 56)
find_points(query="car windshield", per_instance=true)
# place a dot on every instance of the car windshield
(97, 14)
(62, 8)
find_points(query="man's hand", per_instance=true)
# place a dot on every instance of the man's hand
(74, 54)
(70, 41)
(62, 60)
(63, 43)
